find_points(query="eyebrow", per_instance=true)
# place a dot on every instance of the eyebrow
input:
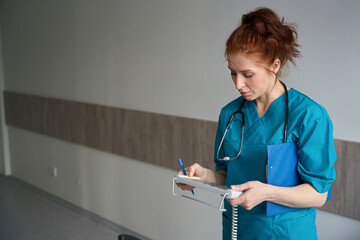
(242, 71)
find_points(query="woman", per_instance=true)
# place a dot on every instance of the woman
(257, 51)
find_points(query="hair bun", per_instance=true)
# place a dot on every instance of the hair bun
(256, 22)
(264, 33)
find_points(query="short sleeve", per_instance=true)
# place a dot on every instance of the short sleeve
(316, 151)
(219, 165)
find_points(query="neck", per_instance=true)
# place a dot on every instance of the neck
(263, 102)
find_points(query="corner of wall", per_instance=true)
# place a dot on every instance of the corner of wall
(5, 164)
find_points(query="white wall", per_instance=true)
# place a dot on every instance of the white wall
(166, 57)
(131, 193)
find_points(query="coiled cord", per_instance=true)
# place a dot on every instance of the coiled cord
(234, 223)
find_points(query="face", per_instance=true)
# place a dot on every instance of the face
(251, 79)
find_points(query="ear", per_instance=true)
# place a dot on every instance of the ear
(275, 67)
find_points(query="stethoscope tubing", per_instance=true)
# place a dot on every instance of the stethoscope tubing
(243, 126)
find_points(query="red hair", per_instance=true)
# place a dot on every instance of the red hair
(263, 36)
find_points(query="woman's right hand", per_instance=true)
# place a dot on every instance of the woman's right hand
(194, 170)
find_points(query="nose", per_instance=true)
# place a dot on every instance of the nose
(239, 81)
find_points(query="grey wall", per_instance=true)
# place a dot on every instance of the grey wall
(166, 57)
(3, 130)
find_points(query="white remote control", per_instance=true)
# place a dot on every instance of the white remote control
(210, 186)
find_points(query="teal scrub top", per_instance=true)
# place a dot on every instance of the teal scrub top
(309, 127)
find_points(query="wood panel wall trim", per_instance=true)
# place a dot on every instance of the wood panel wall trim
(157, 138)
(346, 188)
(154, 138)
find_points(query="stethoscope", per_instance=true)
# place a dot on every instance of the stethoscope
(243, 125)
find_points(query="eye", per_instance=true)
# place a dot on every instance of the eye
(233, 73)
(248, 75)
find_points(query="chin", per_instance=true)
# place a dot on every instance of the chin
(248, 98)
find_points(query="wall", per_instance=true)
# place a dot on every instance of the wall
(4, 140)
(166, 57)
(2, 160)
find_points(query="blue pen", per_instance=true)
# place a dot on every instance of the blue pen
(184, 172)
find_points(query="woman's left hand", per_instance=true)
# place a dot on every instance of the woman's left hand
(255, 192)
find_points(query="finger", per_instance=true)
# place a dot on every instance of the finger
(231, 202)
(235, 202)
(187, 170)
(194, 170)
(241, 187)
(185, 187)
(189, 188)
(182, 173)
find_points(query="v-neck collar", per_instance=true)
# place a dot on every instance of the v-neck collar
(253, 112)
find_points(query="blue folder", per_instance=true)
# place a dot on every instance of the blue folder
(282, 172)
